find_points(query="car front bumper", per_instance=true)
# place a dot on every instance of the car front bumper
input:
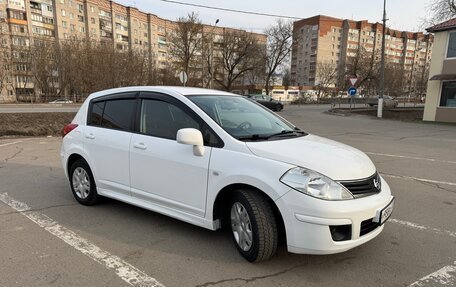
(307, 221)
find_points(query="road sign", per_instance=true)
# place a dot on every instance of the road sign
(183, 77)
(352, 91)
(353, 81)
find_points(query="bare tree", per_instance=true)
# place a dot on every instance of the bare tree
(441, 10)
(186, 45)
(394, 79)
(278, 48)
(366, 67)
(286, 77)
(43, 67)
(326, 78)
(234, 55)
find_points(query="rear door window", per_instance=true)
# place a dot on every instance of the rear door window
(113, 113)
(119, 114)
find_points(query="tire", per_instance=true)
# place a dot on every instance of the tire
(82, 183)
(278, 108)
(250, 213)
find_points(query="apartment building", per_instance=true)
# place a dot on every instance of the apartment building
(103, 21)
(323, 39)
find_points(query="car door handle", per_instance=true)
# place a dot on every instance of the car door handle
(140, 146)
(90, 136)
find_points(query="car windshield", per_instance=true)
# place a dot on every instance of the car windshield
(244, 119)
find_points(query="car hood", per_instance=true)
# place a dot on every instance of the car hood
(333, 159)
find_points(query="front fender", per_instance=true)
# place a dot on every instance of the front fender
(232, 167)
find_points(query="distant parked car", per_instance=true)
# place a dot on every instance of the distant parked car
(61, 101)
(388, 102)
(267, 101)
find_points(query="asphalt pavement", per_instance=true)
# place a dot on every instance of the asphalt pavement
(47, 239)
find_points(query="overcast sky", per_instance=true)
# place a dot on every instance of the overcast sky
(403, 14)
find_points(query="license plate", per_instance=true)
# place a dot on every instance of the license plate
(385, 213)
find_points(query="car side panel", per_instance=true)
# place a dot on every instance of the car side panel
(167, 173)
(109, 153)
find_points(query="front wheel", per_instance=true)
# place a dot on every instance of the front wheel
(82, 183)
(278, 108)
(253, 226)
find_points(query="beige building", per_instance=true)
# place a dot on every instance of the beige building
(441, 91)
(323, 39)
(105, 21)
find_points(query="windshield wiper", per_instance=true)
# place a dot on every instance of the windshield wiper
(288, 133)
(252, 137)
(284, 133)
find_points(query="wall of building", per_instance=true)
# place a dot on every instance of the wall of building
(433, 88)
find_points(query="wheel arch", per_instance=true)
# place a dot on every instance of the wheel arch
(220, 207)
(72, 159)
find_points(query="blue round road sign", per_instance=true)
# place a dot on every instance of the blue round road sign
(352, 91)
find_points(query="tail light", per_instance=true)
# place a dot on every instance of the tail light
(68, 128)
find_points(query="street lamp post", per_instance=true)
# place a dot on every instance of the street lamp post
(212, 53)
(382, 68)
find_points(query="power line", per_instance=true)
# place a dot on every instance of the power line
(233, 10)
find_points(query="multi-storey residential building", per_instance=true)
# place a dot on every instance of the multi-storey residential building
(323, 39)
(101, 21)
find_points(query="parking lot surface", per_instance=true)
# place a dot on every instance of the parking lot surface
(47, 239)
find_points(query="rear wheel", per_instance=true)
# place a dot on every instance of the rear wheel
(82, 183)
(278, 108)
(253, 226)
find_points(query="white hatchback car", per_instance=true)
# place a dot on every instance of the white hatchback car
(217, 159)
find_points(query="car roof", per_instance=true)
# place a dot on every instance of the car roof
(185, 91)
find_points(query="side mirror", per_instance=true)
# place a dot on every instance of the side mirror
(192, 137)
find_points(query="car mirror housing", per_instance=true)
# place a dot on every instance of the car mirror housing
(194, 137)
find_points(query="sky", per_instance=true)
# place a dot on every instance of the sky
(402, 14)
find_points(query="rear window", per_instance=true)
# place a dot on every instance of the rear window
(113, 114)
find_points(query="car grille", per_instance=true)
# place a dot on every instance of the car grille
(368, 226)
(363, 187)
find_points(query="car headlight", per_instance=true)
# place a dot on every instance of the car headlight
(314, 184)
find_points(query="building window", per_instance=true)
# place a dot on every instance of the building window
(92, 20)
(448, 97)
(63, 13)
(451, 52)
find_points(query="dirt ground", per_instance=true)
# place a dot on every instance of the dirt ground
(33, 124)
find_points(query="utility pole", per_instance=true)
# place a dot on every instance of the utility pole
(212, 53)
(382, 68)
